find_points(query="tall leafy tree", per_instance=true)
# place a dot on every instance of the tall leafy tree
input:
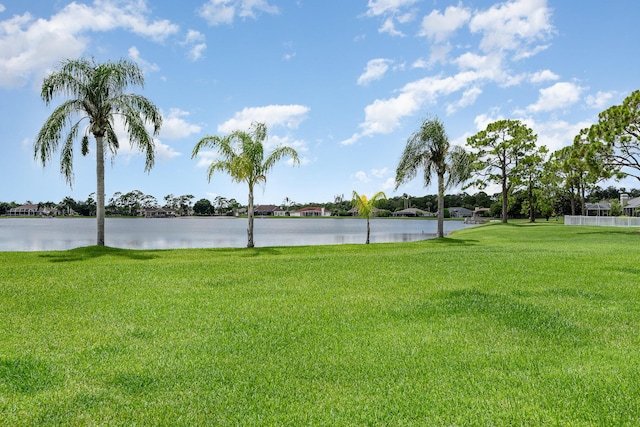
(591, 163)
(564, 176)
(532, 178)
(498, 152)
(616, 136)
(203, 207)
(429, 150)
(97, 96)
(366, 207)
(242, 157)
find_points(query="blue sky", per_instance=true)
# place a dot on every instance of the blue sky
(343, 82)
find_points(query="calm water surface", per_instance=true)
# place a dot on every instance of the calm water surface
(43, 234)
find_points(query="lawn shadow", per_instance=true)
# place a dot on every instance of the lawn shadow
(454, 242)
(512, 313)
(608, 231)
(246, 252)
(26, 375)
(92, 252)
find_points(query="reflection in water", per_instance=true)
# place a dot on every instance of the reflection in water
(41, 234)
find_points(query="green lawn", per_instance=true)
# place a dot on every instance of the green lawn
(495, 325)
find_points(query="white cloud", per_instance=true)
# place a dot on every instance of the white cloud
(165, 152)
(439, 53)
(543, 76)
(389, 184)
(362, 177)
(468, 98)
(1, 8)
(525, 53)
(383, 7)
(272, 115)
(420, 63)
(351, 140)
(438, 26)
(274, 141)
(560, 95)
(194, 36)
(392, 10)
(384, 116)
(556, 134)
(30, 47)
(486, 66)
(380, 173)
(517, 26)
(483, 120)
(377, 175)
(217, 12)
(375, 70)
(389, 27)
(174, 125)
(134, 54)
(512, 25)
(601, 100)
(195, 41)
(196, 51)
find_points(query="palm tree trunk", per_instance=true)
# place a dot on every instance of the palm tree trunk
(100, 190)
(440, 232)
(368, 230)
(250, 215)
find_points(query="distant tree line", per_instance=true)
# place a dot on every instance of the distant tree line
(131, 203)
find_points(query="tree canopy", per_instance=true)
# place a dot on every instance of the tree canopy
(97, 97)
(498, 152)
(429, 149)
(366, 207)
(616, 136)
(242, 158)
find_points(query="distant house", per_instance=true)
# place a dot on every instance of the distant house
(265, 210)
(412, 212)
(25, 210)
(158, 213)
(598, 209)
(311, 211)
(460, 212)
(281, 212)
(630, 207)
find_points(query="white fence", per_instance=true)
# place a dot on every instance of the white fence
(609, 221)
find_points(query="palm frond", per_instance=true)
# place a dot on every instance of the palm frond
(66, 154)
(49, 136)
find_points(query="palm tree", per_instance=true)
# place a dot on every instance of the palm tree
(429, 149)
(242, 157)
(96, 93)
(366, 207)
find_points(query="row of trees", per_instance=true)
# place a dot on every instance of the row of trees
(338, 207)
(505, 153)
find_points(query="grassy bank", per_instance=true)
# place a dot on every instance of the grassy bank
(496, 325)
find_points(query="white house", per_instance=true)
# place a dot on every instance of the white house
(311, 211)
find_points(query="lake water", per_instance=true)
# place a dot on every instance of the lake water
(44, 234)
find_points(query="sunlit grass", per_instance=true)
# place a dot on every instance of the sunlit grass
(496, 325)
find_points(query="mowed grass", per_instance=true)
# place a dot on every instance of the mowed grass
(495, 325)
